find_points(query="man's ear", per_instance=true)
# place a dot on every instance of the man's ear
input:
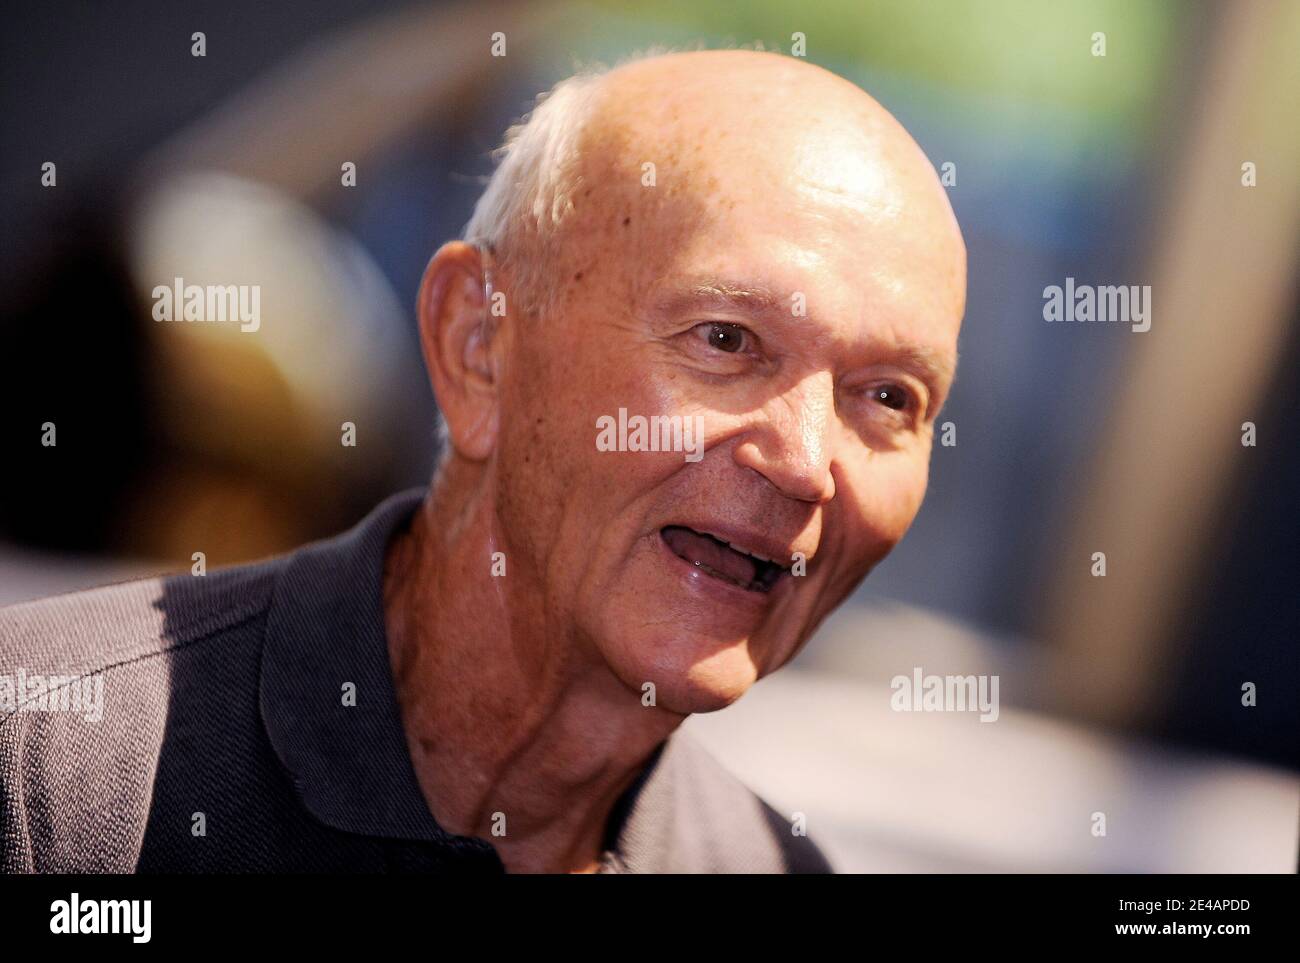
(458, 336)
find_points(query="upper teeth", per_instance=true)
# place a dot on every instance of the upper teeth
(745, 551)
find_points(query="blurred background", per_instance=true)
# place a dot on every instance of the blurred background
(1119, 694)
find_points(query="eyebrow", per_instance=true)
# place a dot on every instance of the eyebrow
(759, 299)
(934, 365)
(718, 293)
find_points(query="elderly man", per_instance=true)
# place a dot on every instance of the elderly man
(740, 250)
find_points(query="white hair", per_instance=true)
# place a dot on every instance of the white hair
(531, 191)
(532, 188)
(529, 194)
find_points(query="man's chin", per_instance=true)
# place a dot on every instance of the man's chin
(707, 695)
(687, 675)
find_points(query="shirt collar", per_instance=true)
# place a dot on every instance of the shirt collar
(350, 763)
(327, 695)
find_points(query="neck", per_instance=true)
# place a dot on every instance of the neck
(517, 733)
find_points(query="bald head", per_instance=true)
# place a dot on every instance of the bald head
(683, 136)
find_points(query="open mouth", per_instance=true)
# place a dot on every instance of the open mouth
(721, 560)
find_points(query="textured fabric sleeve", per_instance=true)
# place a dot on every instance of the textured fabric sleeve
(75, 793)
(15, 838)
(81, 721)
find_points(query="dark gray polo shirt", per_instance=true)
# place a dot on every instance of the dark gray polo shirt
(223, 742)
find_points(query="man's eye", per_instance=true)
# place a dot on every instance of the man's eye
(892, 396)
(724, 337)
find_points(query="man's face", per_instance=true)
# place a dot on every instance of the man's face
(799, 299)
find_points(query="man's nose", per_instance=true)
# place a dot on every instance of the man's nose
(792, 444)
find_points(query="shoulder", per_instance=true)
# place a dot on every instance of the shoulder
(800, 853)
(94, 630)
(721, 825)
(86, 693)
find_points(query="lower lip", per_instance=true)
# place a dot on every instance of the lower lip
(718, 590)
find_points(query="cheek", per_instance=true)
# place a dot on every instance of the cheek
(886, 492)
(555, 481)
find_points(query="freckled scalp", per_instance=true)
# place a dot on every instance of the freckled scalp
(725, 128)
(719, 129)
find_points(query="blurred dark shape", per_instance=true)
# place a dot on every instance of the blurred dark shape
(75, 356)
